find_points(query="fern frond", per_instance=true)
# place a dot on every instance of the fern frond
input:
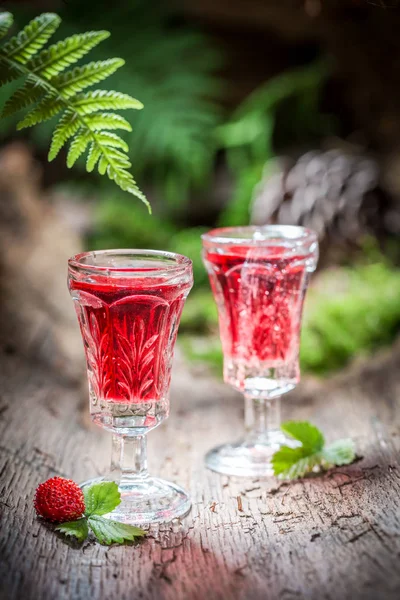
(46, 109)
(103, 165)
(119, 158)
(6, 20)
(93, 156)
(107, 120)
(102, 100)
(78, 147)
(108, 138)
(24, 96)
(54, 60)
(66, 128)
(9, 71)
(74, 81)
(49, 91)
(32, 38)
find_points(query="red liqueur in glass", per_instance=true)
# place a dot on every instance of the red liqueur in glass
(260, 294)
(259, 276)
(129, 330)
(129, 303)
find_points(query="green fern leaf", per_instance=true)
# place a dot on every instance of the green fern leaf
(107, 120)
(54, 60)
(78, 147)
(103, 165)
(6, 20)
(9, 71)
(119, 158)
(32, 38)
(66, 128)
(49, 91)
(102, 100)
(24, 96)
(108, 138)
(80, 78)
(93, 157)
(46, 109)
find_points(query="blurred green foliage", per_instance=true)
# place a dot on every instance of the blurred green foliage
(361, 318)
(249, 137)
(188, 242)
(200, 315)
(120, 223)
(205, 350)
(170, 67)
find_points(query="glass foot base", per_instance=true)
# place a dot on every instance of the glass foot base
(149, 501)
(246, 458)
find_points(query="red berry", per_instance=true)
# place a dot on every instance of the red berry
(59, 500)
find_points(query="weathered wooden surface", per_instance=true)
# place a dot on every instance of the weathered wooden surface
(336, 536)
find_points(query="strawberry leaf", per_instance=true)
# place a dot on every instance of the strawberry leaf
(292, 463)
(341, 452)
(78, 529)
(310, 436)
(111, 532)
(101, 498)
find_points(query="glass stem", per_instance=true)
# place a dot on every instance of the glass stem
(129, 459)
(262, 418)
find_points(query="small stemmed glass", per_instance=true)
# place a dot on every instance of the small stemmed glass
(259, 277)
(129, 304)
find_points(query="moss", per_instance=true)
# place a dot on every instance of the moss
(357, 320)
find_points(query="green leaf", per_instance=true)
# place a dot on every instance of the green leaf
(6, 20)
(341, 452)
(101, 498)
(66, 128)
(104, 100)
(309, 435)
(32, 38)
(78, 529)
(45, 110)
(285, 457)
(74, 81)
(93, 156)
(24, 96)
(108, 138)
(78, 147)
(58, 57)
(9, 71)
(107, 120)
(110, 532)
(289, 465)
(118, 157)
(47, 91)
(103, 165)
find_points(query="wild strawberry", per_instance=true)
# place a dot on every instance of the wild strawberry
(59, 500)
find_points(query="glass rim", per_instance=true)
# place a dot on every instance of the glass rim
(268, 235)
(178, 262)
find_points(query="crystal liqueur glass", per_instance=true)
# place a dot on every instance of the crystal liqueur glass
(259, 277)
(129, 304)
